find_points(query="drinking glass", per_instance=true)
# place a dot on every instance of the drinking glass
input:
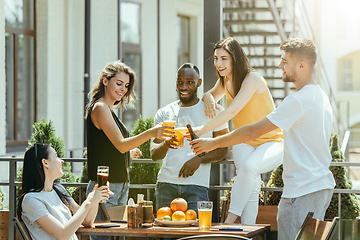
(102, 175)
(169, 120)
(181, 129)
(205, 214)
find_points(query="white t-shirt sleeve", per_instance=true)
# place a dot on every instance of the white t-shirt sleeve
(33, 208)
(287, 113)
(159, 117)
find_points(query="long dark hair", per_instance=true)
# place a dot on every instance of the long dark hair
(240, 62)
(109, 71)
(33, 177)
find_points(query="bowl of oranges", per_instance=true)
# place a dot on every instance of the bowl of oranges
(177, 214)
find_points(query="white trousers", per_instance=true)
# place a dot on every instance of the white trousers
(250, 162)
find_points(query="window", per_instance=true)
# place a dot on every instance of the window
(183, 39)
(131, 55)
(20, 70)
(130, 22)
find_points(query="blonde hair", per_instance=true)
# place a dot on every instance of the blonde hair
(109, 71)
(302, 48)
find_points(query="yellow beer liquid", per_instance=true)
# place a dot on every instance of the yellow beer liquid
(179, 133)
(170, 124)
(205, 218)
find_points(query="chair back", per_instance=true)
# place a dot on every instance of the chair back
(314, 229)
(214, 237)
(21, 229)
(113, 212)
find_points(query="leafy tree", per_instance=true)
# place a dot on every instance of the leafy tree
(349, 204)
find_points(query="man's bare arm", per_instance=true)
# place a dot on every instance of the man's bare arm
(241, 135)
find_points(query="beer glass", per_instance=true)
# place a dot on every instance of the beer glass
(169, 120)
(180, 128)
(205, 214)
(102, 175)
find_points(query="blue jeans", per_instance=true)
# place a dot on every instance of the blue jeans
(166, 192)
(118, 199)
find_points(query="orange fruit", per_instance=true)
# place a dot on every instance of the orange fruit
(178, 204)
(178, 216)
(164, 211)
(190, 215)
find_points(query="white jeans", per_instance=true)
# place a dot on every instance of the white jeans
(250, 162)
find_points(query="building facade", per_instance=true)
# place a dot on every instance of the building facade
(43, 57)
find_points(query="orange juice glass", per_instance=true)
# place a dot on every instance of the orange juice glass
(205, 214)
(179, 133)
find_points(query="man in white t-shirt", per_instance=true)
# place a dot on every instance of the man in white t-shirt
(306, 119)
(184, 175)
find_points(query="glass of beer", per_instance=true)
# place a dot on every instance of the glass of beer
(181, 129)
(169, 120)
(179, 133)
(102, 175)
(205, 214)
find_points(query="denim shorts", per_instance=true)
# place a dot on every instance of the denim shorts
(166, 192)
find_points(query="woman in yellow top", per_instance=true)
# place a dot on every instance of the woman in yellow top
(248, 100)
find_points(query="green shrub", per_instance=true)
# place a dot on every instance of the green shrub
(143, 173)
(349, 204)
(273, 198)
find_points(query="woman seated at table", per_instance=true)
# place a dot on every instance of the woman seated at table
(47, 209)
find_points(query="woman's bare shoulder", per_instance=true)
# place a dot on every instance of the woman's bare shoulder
(254, 76)
(100, 109)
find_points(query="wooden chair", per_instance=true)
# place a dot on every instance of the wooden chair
(314, 229)
(113, 212)
(21, 229)
(214, 237)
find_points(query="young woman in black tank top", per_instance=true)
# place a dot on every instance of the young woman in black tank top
(107, 137)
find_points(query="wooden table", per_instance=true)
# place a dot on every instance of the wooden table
(257, 231)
